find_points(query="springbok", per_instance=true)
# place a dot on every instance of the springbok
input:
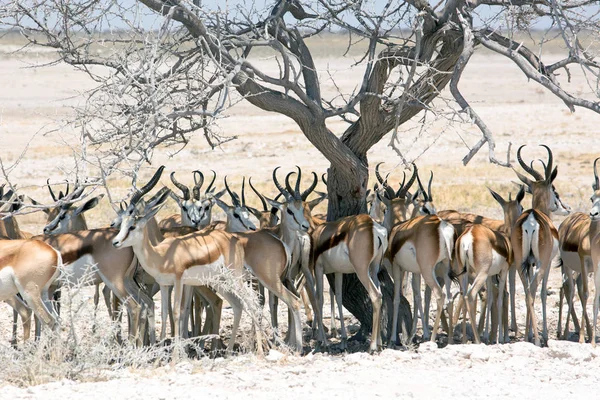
(29, 268)
(482, 253)
(354, 244)
(535, 239)
(595, 247)
(575, 235)
(191, 259)
(195, 209)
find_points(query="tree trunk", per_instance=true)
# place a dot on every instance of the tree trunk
(348, 197)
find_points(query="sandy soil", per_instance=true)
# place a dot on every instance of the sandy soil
(35, 101)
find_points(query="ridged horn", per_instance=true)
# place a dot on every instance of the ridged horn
(550, 160)
(184, 189)
(211, 182)
(198, 182)
(234, 197)
(243, 189)
(527, 168)
(429, 187)
(285, 194)
(312, 187)
(596, 179)
(50, 189)
(148, 186)
(260, 196)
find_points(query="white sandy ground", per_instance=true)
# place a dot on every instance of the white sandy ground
(519, 370)
(36, 100)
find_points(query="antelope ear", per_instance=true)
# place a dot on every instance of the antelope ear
(315, 202)
(217, 195)
(275, 204)
(554, 174)
(382, 199)
(224, 206)
(255, 212)
(497, 197)
(523, 179)
(176, 198)
(35, 203)
(88, 205)
(155, 204)
(521, 194)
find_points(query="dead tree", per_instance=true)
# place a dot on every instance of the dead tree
(160, 81)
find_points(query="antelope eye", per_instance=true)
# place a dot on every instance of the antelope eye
(61, 217)
(132, 227)
(290, 212)
(184, 208)
(236, 215)
(206, 207)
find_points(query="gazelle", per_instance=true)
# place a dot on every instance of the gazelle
(595, 247)
(195, 209)
(354, 244)
(189, 259)
(482, 253)
(417, 246)
(9, 229)
(575, 235)
(268, 258)
(29, 267)
(535, 239)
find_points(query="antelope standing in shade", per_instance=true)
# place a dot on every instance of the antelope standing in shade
(195, 209)
(482, 253)
(535, 239)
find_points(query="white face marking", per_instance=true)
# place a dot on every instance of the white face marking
(595, 211)
(294, 215)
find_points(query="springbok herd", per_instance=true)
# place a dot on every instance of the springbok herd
(189, 257)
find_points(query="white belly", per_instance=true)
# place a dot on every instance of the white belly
(498, 263)
(203, 274)
(7, 283)
(82, 270)
(571, 260)
(336, 260)
(406, 258)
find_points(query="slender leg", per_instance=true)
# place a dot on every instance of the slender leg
(418, 307)
(177, 307)
(596, 302)
(164, 310)
(237, 307)
(512, 272)
(397, 272)
(338, 297)
(332, 328)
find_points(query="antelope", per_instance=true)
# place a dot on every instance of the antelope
(575, 235)
(354, 244)
(29, 267)
(114, 267)
(195, 209)
(9, 229)
(482, 253)
(417, 246)
(535, 239)
(268, 258)
(189, 259)
(293, 232)
(595, 246)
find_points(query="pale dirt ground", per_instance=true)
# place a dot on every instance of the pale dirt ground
(35, 100)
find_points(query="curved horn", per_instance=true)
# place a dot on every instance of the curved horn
(312, 187)
(527, 169)
(597, 184)
(378, 175)
(211, 182)
(323, 178)
(406, 188)
(243, 188)
(536, 174)
(422, 188)
(50, 189)
(148, 186)
(429, 187)
(67, 191)
(285, 194)
(288, 185)
(260, 196)
(550, 159)
(297, 195)
(399, 192)
(184, 189)
(234, 197)
(198, 182)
